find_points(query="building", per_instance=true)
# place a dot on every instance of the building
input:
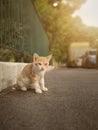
(76, 50)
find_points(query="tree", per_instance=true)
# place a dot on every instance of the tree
(63, 29)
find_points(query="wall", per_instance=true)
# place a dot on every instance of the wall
(77, 50)
(9, 72)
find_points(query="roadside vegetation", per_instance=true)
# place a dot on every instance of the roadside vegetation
(63, 28)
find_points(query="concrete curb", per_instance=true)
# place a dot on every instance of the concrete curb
(9, 72)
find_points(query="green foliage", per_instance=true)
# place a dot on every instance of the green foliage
(62, 28)
(59, 24)
(13, 56)
(6, 55)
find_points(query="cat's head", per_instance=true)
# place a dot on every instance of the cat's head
(41, 63)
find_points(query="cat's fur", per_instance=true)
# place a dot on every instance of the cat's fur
(32, 74)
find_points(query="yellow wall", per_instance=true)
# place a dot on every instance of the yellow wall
(77, 49)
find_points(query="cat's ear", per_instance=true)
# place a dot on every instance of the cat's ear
(49, 57)
(35, 56)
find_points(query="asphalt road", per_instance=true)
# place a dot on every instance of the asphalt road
(70, 104)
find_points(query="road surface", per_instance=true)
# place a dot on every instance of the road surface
(70, 104)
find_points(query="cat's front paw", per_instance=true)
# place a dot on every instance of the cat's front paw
(38, 91)
(45, 89)
(23, 88)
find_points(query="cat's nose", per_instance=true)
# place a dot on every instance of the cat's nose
(42, 69)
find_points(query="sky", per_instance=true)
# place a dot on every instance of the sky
(89, 13)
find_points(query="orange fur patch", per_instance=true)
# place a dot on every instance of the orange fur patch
(34, 79)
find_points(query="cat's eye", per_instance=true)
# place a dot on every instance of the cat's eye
(46, 64)
(39, 63)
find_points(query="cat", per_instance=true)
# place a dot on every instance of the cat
(32, 74)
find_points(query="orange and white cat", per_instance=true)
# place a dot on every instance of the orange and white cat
(32, 74)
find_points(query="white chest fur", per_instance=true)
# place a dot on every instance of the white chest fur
(40, 76)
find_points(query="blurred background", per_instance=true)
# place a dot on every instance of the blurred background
(64, 28)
